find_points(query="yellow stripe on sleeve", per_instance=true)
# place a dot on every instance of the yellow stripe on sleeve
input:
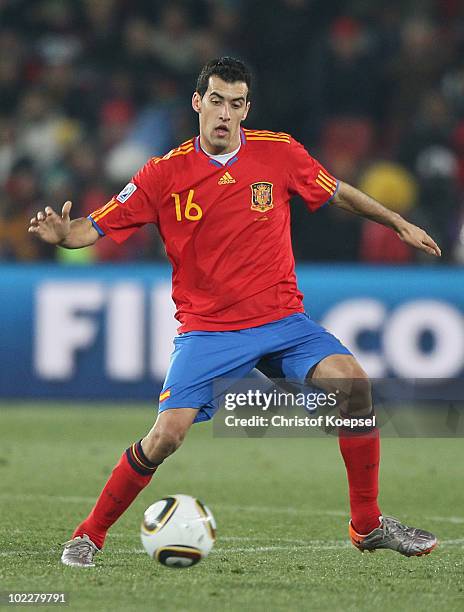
(175, 153)
(103, 214)
(331, 191)
(103, 208)
(330, 184)
(327, 177)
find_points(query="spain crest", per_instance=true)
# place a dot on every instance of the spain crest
(261, 197)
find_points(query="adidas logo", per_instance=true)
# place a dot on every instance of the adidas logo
(227, 179)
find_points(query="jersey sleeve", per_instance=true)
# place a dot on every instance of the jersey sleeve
(308, 178)
(136, 205)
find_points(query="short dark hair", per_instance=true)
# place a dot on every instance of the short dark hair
(228, 69)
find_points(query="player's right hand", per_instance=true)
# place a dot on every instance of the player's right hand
(49, 226)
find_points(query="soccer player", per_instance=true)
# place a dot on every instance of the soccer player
(221, 204)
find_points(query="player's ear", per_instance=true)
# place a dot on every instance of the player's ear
(245, 112)
(196, 102)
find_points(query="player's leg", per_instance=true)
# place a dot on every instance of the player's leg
(360, 449)
(198, 358)
(130, 476)
(308, 352)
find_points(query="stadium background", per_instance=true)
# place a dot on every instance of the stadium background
(88, 91)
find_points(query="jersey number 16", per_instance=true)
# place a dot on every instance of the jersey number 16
(192, 211)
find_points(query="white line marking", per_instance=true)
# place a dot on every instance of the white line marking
(282, 510)
(286, 510)
(233, 508)
(44, 497)
(223, 538)
(305, 545)
(123, 536)
(458, 520)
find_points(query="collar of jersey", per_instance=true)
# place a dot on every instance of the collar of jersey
(231, 161)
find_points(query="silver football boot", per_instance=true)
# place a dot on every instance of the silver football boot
(79, 552)
(392, 534)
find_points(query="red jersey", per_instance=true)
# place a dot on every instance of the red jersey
(226, 228)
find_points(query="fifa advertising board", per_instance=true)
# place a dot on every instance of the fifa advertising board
(106, 331)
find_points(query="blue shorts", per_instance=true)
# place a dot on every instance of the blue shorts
(286, 349)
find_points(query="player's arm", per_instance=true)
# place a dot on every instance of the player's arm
(60, 230)
(351, 199)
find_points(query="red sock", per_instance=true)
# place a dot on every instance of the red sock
(361, 454)
(132, 474)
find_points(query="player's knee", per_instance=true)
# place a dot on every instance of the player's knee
(162, 442)
(349, 378)
(360, 396)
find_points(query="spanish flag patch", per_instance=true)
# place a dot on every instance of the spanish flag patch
(164, 395)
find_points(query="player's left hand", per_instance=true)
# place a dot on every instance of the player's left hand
(418, 238)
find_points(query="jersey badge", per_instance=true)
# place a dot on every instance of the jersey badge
(126, 192)
(261, 197)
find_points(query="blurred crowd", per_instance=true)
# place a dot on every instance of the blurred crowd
(90, 89)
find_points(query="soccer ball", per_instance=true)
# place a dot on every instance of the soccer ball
(178, 531)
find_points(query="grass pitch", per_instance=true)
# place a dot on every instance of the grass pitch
(280, 504)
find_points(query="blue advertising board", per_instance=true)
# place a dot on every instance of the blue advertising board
(105, 331)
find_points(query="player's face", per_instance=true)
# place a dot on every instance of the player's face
(221, 110)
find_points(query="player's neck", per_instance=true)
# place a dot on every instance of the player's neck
(210, 149)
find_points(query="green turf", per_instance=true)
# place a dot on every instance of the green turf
(280, 505)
